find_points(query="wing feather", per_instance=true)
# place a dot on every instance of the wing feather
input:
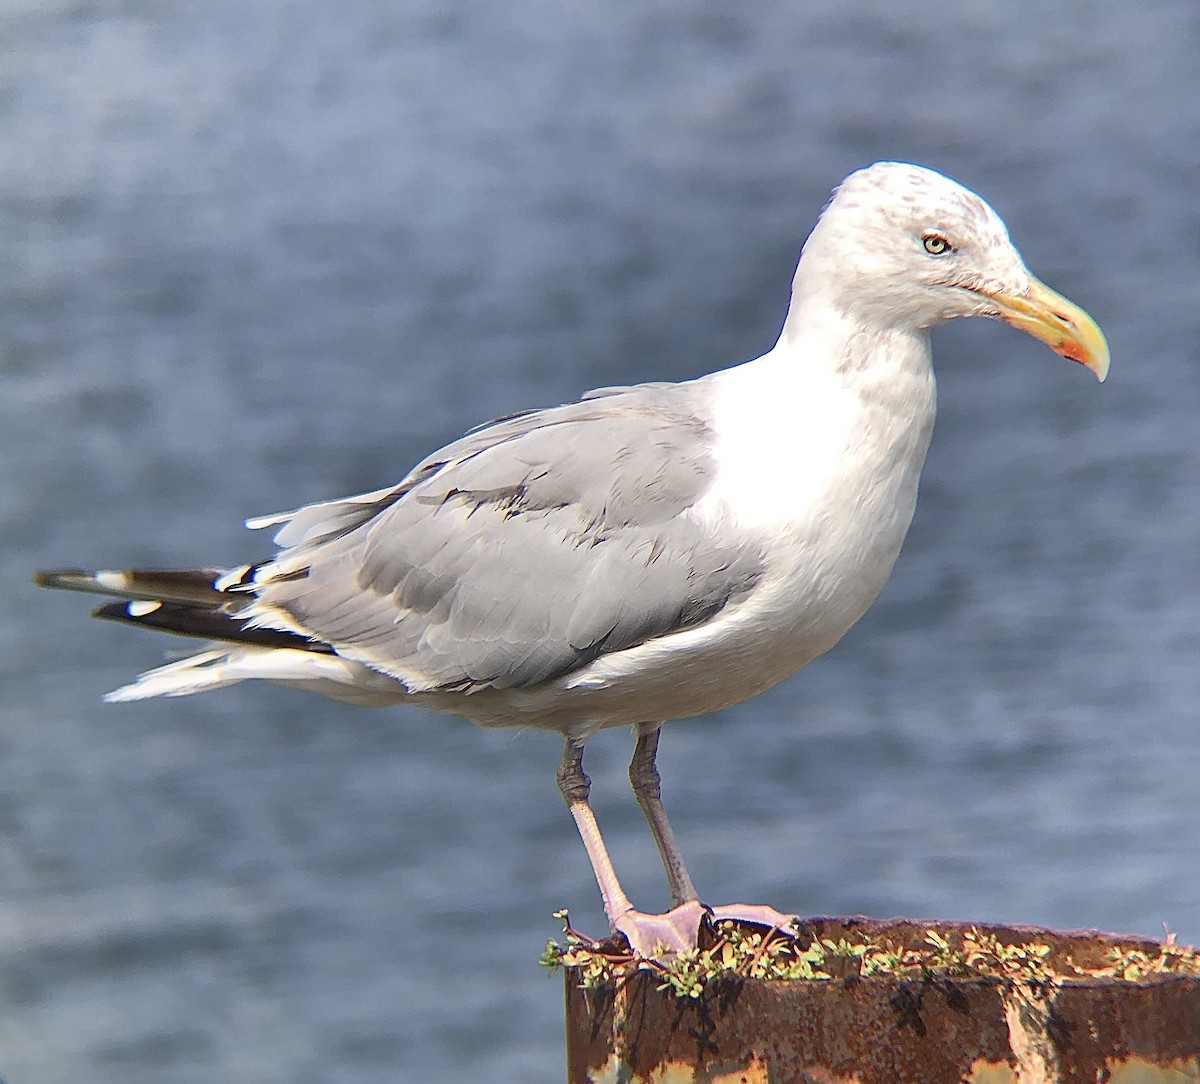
(521, 552)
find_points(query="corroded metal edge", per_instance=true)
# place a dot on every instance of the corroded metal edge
(896, 1030)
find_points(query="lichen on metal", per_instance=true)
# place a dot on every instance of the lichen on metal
(885, 1003)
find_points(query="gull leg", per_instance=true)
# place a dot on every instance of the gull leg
(647, 787)
(647, 934)
(575, 787)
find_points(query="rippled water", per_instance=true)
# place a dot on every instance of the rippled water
(255, 255)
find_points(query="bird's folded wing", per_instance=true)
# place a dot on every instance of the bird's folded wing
(522, 551)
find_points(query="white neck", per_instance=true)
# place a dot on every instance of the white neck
(829, 395)
(819, 447)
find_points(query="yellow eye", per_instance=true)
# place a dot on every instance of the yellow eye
(936, 245)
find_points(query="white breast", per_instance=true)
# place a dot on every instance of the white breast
(822, 464)
(816, 467)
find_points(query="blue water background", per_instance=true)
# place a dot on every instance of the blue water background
(257, 254)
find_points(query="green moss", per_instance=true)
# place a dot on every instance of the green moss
(734, 951)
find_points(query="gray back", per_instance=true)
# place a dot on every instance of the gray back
(524, 550)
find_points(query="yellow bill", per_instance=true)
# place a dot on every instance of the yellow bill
(1059, 323)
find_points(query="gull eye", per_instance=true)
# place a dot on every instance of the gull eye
(936, 245)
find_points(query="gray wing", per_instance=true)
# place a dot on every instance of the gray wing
(522, 551)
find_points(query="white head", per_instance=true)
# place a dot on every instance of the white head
(903, 248)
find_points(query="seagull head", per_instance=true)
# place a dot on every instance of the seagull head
(902, 247)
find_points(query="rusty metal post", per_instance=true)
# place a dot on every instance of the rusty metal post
(938, 1003)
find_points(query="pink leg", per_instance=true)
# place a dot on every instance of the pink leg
(648, 935)
(644, 778)
(647, 788)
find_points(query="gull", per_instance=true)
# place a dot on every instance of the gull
(647, 553)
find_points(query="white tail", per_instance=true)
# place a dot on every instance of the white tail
(329, 675)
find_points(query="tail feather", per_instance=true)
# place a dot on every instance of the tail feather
(195, 674)
(217, 605)
(328, 675)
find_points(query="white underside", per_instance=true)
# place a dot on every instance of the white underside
(817, 464)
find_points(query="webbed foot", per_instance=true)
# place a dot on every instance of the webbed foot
(755, 914)
(652, 936)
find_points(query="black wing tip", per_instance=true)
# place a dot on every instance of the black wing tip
(196, 586)
(117, 611)
(69, 579)
(204, 623)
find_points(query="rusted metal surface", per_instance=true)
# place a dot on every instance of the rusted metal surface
(1100, 1018)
